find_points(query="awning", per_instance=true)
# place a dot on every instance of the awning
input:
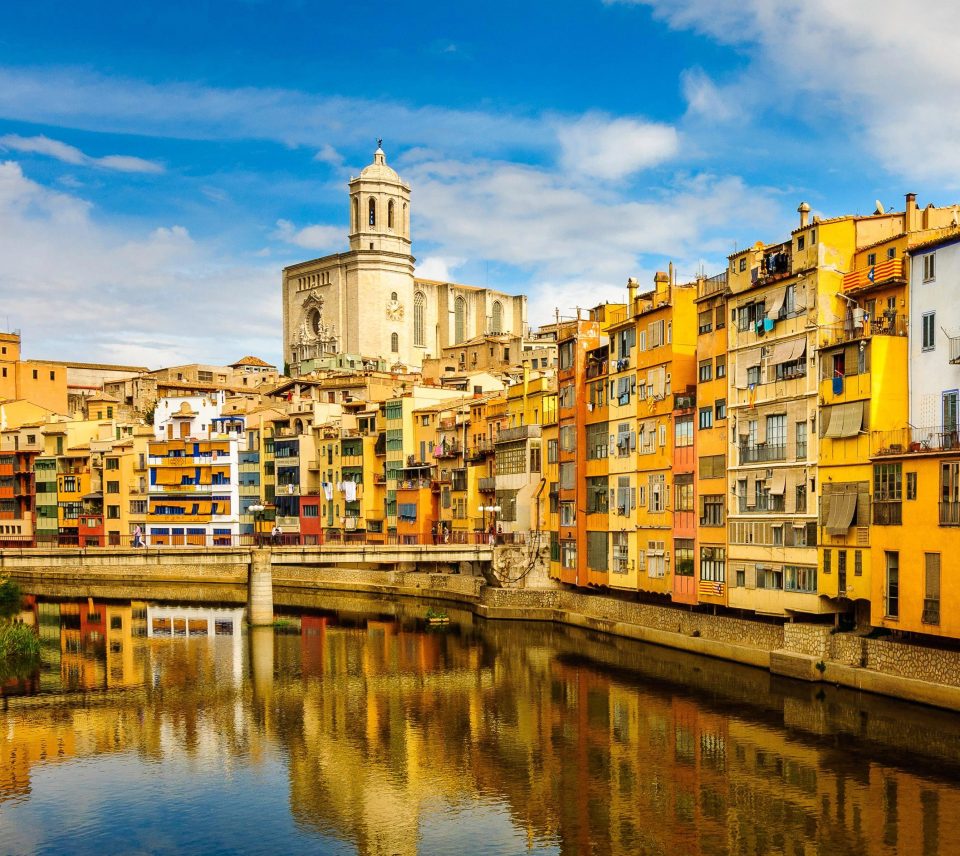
(776, 303)
(746, 360)
(844, 420)
(778, 484)
(789, 351)
(843, 507)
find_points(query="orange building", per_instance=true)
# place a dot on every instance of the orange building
(43, 384)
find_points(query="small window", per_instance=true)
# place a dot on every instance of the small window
(706, 417)
(372, 209)
(891, 252)
(800, 243)
(928, 339)
(911, 485)
(871, 259)
(929, 267)
(721, 409)
(394, 343)
(743, 264)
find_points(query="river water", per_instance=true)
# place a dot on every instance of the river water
(353, 727)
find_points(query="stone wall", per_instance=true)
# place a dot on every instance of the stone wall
(810, 639)
(913, 661)
(848, 649)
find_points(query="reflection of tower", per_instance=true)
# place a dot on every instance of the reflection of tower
(261, 641)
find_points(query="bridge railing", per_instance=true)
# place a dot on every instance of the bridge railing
(334, 538)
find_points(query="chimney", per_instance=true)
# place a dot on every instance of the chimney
(910, 218)
(804, 210)
(631, 292)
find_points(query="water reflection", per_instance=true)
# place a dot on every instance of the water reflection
(351, 731)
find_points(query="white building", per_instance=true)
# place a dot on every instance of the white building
(935, 341)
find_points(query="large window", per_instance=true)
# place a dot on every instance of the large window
(683, 492)
(511, 458)
(568, 475)
(459, 320)
(597, 551)
(705, 371)
(419, 303)
(568, 554)
(711, 510)
(800, 579)
(683, 431)
(598, 443)
(496, 325)
(597, 495)
(887, 481)
(683, 557)
(713, 564)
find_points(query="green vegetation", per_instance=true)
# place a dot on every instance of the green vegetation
(9, 598)
(19, 645)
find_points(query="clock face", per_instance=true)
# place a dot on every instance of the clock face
(394, 310)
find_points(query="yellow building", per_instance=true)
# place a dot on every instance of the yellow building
(42, 384)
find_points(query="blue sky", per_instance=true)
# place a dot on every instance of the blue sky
(160, 164)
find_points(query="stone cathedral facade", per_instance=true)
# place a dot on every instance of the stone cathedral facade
(367, 303)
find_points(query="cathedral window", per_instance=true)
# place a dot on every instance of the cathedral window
(418, 332)
(394, 343)
(373, 211)
(356, 214)
(390, 214)
(496, 325)
(459, 320)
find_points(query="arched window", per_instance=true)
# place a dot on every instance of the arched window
(419, 301)
(390, 214)
(394, 343)
(356, 214)
(393, 296)
(373, 211)
(496, 324)
(459, 320)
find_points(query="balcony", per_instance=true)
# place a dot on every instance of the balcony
(414, 484)
(716, 284)
(911, 440)
(954, 350)
(762, 453)
(885, 324)
(931, 610)
(685, 400)
(762, 504)
(887, 512)
(950, 513)
(379, 478)
(447, 450)
(481, 450)
(487, 484)
(521, 432)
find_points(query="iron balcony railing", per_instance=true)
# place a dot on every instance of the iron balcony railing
(520, 432)
(762, 453)
(761, 504)
(887, 512)
(937, 438)
(931, 610)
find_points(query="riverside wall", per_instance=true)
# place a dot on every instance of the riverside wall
(810, 652)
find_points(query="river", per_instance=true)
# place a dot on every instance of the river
(353, 727)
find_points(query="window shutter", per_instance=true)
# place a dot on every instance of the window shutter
(750, 576)
(633, 497)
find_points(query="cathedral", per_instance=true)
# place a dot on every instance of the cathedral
(366, 306)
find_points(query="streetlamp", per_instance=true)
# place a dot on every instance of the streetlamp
(257, 510)
(494, 510)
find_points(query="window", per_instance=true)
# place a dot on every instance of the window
(683, 493)
(356, 214)
(777, 433)
(753, 376)
(743, 264)
(496, 321)
(566, 397)
(705, 321)
(893, 583)
(929, 267)
(113, 512)
(928, 334)
(800, 242)
(597, 551)
(534, 459)
(887, 485)
(553, 447)
(113, 487)
(801, 435)
(419, 302)
(720, 409)
(931, 595)
(621, 553)
(656, 559)
(598, 443)
(566, 352)
(568, 475)
(390, 215)
(684, 565)
(769, 578)
(858, 563)
(706, 418)
(372, 211)
(657, 499)
(568, 438)
(394, 343)
(871, 259)
(683, 431)
(597, 495)
(310, 511)
(113, 464)
(459, 320)
(800, 579)
(712, 467)
(713, 564)
(721, 317)
(711, 510)
(705, 371)
(911, 485)
(891, 252)
(828, 561)
(568, 554)
(721, 366)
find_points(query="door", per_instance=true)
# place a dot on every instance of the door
(893, 584)
(842, 572)
(950, 440)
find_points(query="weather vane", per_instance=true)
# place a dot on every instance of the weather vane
(379, 142)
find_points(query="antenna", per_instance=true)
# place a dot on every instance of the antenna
(880, 208)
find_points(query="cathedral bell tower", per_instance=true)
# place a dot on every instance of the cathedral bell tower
(379, 209)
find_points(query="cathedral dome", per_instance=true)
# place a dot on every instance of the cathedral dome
(379, 170)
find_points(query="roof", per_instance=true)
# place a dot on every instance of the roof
(252, 361)
(950, 238)
(107, 366)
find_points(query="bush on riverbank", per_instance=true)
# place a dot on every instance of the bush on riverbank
(9, 597)
(18, 643)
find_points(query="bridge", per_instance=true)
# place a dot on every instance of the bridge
(450, 570)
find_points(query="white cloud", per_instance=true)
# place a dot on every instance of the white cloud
(605, 147)
(329, 155)
(880, 75)
(438, 268)
(70, 154)
(145, 296)
(325, 238)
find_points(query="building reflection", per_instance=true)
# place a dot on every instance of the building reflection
(587, 744)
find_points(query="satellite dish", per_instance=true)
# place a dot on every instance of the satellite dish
(880, 208)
